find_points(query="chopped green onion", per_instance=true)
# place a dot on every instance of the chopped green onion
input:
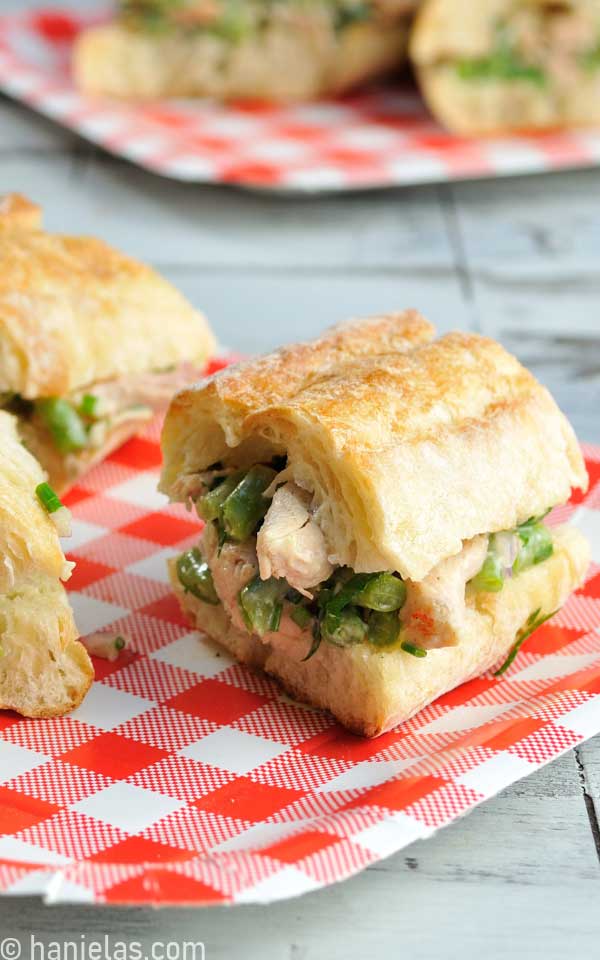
(261, 604)
(64, 423)
(490, 578)
(536, 545)
(413, 650)
(300, 615)
(89, 406)
(48, 498)
(195, 576)
(384, 628)
(383, 591)
(533, 622)
(119, 643)
(344, 628)
(246, 505)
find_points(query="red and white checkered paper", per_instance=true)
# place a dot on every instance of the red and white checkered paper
(186, 778)
(382, 137)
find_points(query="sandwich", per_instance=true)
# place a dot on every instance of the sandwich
(44, 670)
(374, 507)
(502, 65)
(231, 49)
(92, 343)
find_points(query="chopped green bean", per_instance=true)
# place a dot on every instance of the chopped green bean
(246, 505)
(209, 506)
(300, 615)
(503, 63)
(64, 423)
(261, 604)
(344, 628)
(383, 591)
(384, 628)
(195, 576)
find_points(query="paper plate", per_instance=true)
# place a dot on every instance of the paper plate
(186, 778)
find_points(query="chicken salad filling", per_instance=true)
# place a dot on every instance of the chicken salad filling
(539, 46)
(263, 556)
(85, 419)
(235, 20)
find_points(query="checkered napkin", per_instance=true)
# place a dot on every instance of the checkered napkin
(186, 778)
(383, 137)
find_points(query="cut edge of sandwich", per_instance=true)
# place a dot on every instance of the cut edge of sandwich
(371, 691)
(286, 62)
(44, 670)
(494, 67)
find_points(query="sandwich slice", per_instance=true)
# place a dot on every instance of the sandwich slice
(92, 343)
(230, 49)
(44, 670)
(374, 509)
(501, 65)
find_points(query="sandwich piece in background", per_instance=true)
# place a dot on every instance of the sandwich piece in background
(374, 505)
(92, 343)
(44, 670)
(497, 66)
(231, 49)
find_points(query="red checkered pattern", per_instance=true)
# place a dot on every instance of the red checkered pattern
(381, 137)
(186, 778)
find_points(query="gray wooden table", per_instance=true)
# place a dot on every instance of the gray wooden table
(517, 259)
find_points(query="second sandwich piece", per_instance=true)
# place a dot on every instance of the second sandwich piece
(92, 343)
(229, 49)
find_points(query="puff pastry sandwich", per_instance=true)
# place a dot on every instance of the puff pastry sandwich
(500, 65)
(230, 49)
(374, 507)
(44, 670)
(92, 343)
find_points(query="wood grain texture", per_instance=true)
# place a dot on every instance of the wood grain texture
(517, 259)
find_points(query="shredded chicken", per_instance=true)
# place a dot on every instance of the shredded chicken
(290, 544)
(153, 389)
(435, 607)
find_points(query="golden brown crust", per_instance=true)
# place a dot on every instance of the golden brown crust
(17, 212)
(256, 384)
(407, 452)
(74, 311)
(44, 670)
(370, 691)
(283, 62)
